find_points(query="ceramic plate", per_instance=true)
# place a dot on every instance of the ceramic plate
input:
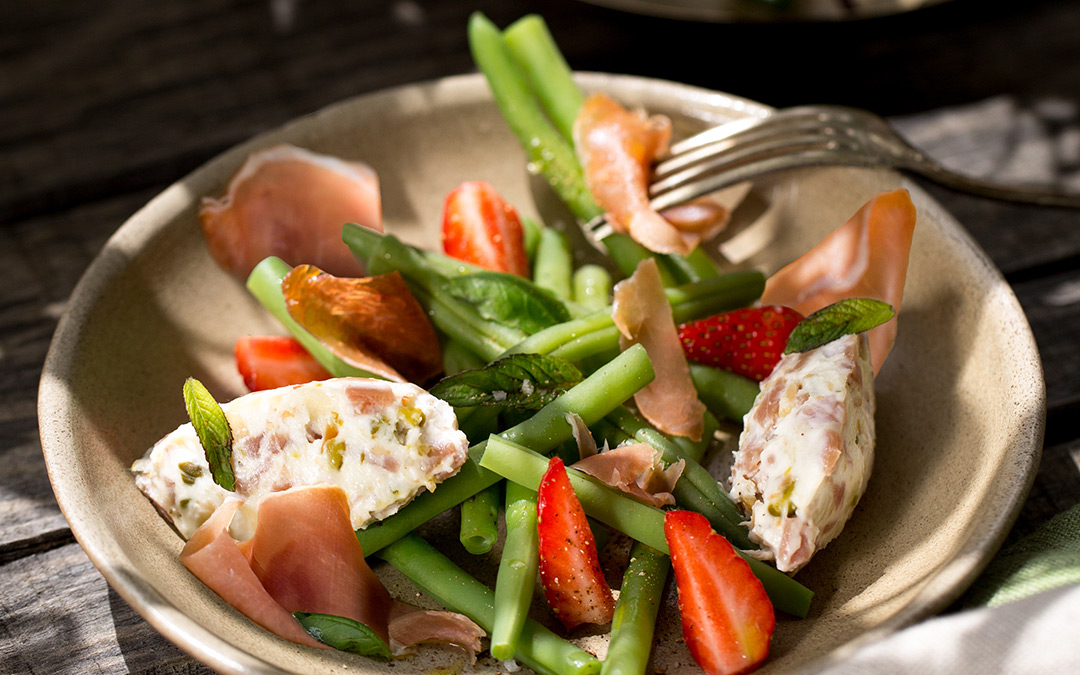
(723, 11)
(960, 402)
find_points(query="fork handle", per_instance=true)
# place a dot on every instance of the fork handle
(1038, 195)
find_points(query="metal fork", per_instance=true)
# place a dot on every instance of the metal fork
(808, 136)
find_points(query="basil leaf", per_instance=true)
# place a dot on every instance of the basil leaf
(528, 381)
(509, 299)
(847, 317)
(348, 635)
(213, 431)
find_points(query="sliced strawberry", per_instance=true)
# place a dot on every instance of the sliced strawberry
(746, 341)
(269, 362)
(727, 618)
(574, 585)
(481, 228)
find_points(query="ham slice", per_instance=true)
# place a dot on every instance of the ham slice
(410, 626)
(636, 470)
(213, 556)
(374, 323)
(617, 148)
(291, 203)
(308, 559)
(865, 257)
(305, 557)
(642, 313)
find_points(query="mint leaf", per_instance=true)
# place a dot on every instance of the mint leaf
(509, 299)
(524, 381)
(847, 317)
(213, 431)
(348, 635)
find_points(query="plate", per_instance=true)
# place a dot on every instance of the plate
(723, 11)
(960, 402)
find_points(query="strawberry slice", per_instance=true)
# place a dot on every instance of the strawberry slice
(479, 227)
(747, 341)
(270, 361)
(727, 618)
(574, 585)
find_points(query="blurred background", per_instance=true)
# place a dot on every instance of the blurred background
(104, 104)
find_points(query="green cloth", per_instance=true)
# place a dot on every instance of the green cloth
(1047, 558)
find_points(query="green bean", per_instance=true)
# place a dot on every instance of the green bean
(592, 399)
(549, 153)
(635, 614)
(480, 520)
(525, 467)
(627, 253)
(437, 576)
(531, 230)
(264, 283)
(457, 357)
(633, 518)
(725, 394)
(596, 333)
(548, 75)
(517, 571)
(554, 264)
(592, 287)
(696, 450)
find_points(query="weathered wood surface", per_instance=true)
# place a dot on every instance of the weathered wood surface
(103, 104)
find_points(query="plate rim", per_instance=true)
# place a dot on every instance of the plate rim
(947, 583)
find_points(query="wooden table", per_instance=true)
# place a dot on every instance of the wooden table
(104, 104)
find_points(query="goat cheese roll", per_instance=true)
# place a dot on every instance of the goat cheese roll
(381, 442)
(806, 450)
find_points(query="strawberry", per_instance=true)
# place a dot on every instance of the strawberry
(269, 362)
(574, 585)
(727, 618)
(746, 341)
(479, 227)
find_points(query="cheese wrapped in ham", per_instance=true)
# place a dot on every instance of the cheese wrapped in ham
(806, 450)
(381, 442)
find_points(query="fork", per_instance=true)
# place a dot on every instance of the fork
(804, 136)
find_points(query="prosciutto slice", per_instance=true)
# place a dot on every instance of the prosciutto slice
(642, 313)
(308, 559)
(636, 470)
(410, 626)
(305, 557)
(213, 556)
(865, 257)
(617, 148)
(291, 203)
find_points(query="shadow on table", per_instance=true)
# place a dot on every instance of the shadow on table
(143, 649)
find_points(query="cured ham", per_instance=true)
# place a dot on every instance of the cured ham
(410, 626)
(642, 313)
(213, 556)
(806, 450)
(308, 559)
(373, 323)
(865, 257)
(635, 469)
(304, 557)
(382, 442)
(291, 203)
(617, 148)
